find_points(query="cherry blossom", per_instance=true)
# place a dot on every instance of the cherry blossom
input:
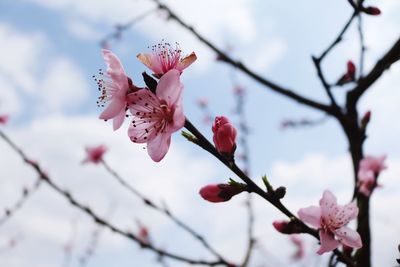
(299, 244)
(114, 88)
(164, 58)
(331, 220)
(157, 116)
(369, 169)
(95, 154)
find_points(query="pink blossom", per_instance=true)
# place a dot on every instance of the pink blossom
(299, 243)
(164, 58)
(369, 169)
(143, 235)
(157, 116)
(224, 136)
(4, 119)
(94, 154)
(219, 192)
(114, 89)
(331, 220)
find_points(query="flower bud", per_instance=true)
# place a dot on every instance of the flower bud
(280, 192)
(224, 136)
(4, 119)
(220, 192)
(94, 154)
(287, 227)
(365, 119)
(371, 10)
(350, 74)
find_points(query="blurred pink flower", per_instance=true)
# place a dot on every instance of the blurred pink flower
(164, 58)
(95, 154)
(219, 192)
(4, 119)
(331, 220)
(299, 243)
(114, 89)
(224, 136)
(143, 235)
(369, 169)
(157, 116)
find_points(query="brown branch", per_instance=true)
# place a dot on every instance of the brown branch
(164, 211)
(269, 195)
(364, 83)
(240, 66)
(99, 220)
(26, 194)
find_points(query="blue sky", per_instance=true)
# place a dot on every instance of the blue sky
(50, 50)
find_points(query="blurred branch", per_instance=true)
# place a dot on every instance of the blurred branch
(164, 210)
(240, 66)
(26, 193)
(99, 220)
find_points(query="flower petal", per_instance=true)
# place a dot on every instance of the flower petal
(113, 109)
(328, 242)
(350, 212)
(119, 119)
(170, 88)
(158, 147)
(349, 237)
(115, 70)
(328, 204)
(151, 61)
(311, 215)
(178, 119)
(186, 62)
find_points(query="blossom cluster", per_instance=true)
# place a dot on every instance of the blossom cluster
(156, 112)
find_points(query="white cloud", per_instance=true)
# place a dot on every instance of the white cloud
(62, 86)
(82, 30)
(268, 53)
(20, 54)
(9, 100)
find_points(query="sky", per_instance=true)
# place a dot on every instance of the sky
(49, 51)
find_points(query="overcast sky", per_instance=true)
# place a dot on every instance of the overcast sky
(49, 51)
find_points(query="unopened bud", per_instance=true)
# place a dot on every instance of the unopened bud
(224, 136)
(365, 119)
(220, 192)
(280, 192)
(371, 10)
(287, 227)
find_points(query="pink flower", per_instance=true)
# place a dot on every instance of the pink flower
(373, 164)
(331, 220)
(164, 58)
(219, 192)
(4, 119)
(94, 154)
(298, 242)
(157, 116)
(224, 136)
(114, 89)
(368, 171)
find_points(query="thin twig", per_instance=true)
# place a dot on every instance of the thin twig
(163, 210)
(362, 45)
(240, 66)
(26, 194)
(99, 220)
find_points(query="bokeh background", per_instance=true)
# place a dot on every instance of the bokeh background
(49, 50)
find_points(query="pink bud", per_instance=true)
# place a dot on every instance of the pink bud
(224, 136)
(365, 119)
(351, 69)
(4, 119)
(143, 235)
(371, 10)
(95, 154)
(287, 227)
(219, 192)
